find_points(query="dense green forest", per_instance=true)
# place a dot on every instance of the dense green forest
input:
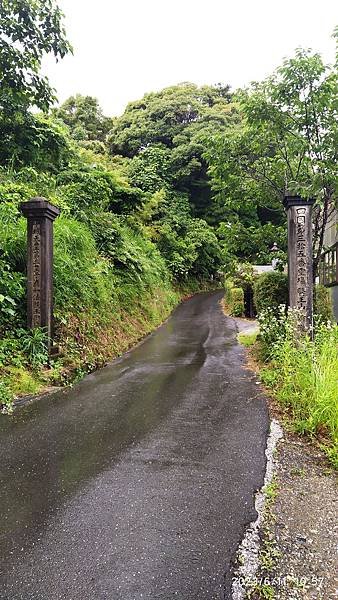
(176, 192)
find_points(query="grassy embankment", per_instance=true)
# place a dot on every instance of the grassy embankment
(302, 375)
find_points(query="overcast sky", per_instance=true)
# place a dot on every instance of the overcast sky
(125, 48)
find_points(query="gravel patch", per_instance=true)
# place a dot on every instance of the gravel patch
(304, 524)
(297, 531)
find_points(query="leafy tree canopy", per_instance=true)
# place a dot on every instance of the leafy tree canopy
(252, 243)
(34, 140)
(165, 131)
(28, 30)
(84, 117)
(161, 116)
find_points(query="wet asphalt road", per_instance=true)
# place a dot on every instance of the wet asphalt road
(137, 483)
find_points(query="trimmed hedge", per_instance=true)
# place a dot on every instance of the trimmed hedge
(237, 308)
(234, 297)
(270, 290)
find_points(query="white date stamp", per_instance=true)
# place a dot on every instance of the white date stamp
(286, 581)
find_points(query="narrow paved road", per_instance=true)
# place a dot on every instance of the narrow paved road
(137, 483)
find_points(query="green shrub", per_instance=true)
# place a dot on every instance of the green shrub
(14, 192)
(228, 285)
(303, 376)
(234, 299)
(34, 140)
(34, 346)
(12, 267)
(10, 352)
(189, 252)
(272, 329)
(87, 190)
(270, 291)
(237, 305)
(323, 303)
(189, 245)
(12, 293)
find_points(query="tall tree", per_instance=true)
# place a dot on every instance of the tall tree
(29, 29)
(287, 140)
(161, 116)
(172, 123)
(84, 117)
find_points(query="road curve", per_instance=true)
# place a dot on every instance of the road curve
(138, 483)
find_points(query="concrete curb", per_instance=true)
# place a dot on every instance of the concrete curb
(248, 551)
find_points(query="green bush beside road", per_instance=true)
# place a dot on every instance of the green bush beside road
(302, 374)
(270, 290)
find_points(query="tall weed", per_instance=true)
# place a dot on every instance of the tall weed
(303, 375)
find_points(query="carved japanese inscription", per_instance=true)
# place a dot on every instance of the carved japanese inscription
(300, 257)
(36, 275)
(301, 250)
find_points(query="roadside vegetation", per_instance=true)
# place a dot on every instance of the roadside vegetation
(299, 372)
(171, 197)
(302, 374)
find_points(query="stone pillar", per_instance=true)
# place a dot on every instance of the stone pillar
(300, 266)
(40, 215)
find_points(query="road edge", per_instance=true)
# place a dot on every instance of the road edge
(247, 555)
